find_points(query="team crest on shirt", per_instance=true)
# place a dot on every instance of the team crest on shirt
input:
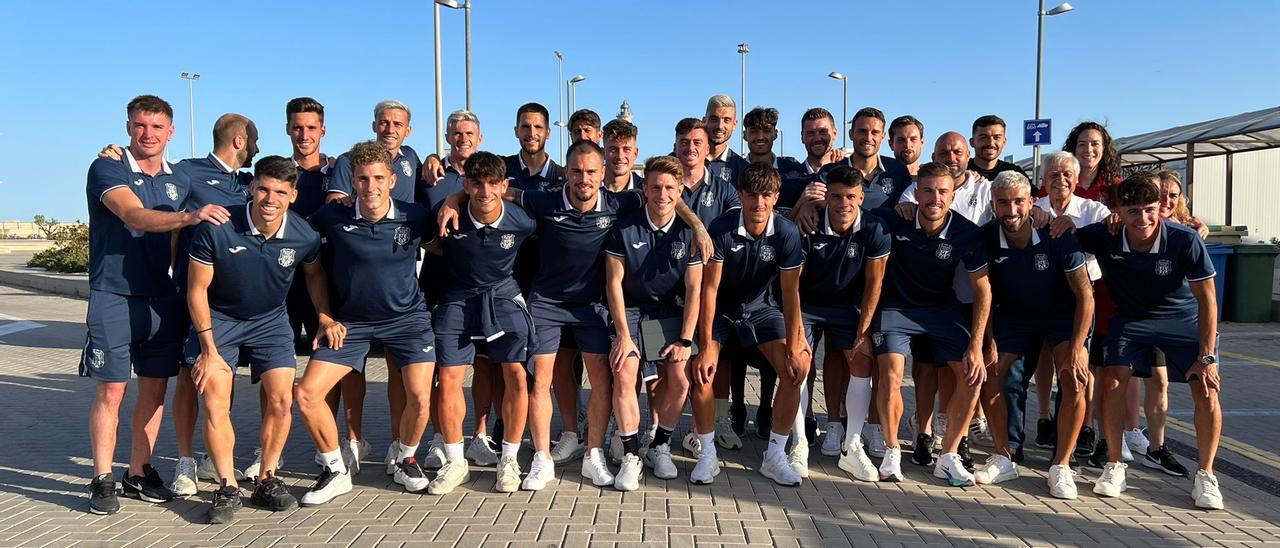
(877, 338)
(677, 250)
(402, 235)
(508, 241)
(286, 257)
(766, 253)
(96, 358)
(171, 191)
(406, 168)
(725, 175)
(886, 184)
(944, 251)
(1164, 267)
(851, 251)
(603, 222)
(1042, 261)
(708, 198)
(973, 201)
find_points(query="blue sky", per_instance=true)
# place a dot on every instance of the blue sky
(69, 69)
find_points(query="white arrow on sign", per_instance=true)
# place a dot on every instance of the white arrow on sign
(1036, 134)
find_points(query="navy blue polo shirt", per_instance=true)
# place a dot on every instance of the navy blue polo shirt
(1031, 282)
(450, 184)
(551, 177)
(711, 199)
(480, 255)
(922, 268)
(1154, 284)
(373, 276)
(122, 260)
(211, 182)
(833, 265)
(751, 265)
(405, 165)
(311, 185)
(571, 243)
(251, 274)
(885, 185)
(635, 182)
(654, 258)
(796, 176)
(728, 167)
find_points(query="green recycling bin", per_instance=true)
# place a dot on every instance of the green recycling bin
(1249, 279)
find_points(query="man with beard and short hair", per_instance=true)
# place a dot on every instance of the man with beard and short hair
(760, 127)
(391, 126)
(721, 119)
(906, 139)
(988, 142)
(584, 125)
(304, 124)
(885, 177)
(532, 168)
(620, 153)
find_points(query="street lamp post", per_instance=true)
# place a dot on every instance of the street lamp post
(560, 91)
(191, 105)
(465, 6)
(743, 50)
(1040, 15)
(782, 143)
(435, 7)
(844, 109)
(573, 91)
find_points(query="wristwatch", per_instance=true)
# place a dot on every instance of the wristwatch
(1209, 360)
(683, 342)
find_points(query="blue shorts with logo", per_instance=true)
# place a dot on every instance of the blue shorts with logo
(945, 327)
(1131, 343)
(839, 323)
(587, 322)
(756, 325)
(1017, 335)
(129, 334)
(406, 339)
(458, 332)
(264, 343)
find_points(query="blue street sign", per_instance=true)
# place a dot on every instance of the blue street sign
(1037, 132)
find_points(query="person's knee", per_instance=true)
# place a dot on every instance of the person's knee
(677, 380)
(517, 381)
(310, 397)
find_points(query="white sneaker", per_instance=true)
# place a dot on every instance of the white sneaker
(393, 453)
(542, 471)
(1111, 483)
(595, 469)
(480, 452)
(833, 440)
(725, 436)
(951, 469)
(616, 451)
(1205, 491)
(706, 470)
(891, 466)
(1062, 482)
(184, 478)
(567, 449)
(1136, 441)
(254, 470)
(692, 444)
(874, 434)
(980, 431)
(411, 476)
(777, 468)
(330, 484)
(451, 475)
(659, 459)
(798, 459)
(207, 472)
(1125, 454)
(628, 478)
(854, 461)
(998, 468)
(353, 452)
(435, 453)
(508, 475)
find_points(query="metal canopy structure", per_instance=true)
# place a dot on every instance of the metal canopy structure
(1234, 134)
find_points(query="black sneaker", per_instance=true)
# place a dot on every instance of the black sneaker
(272, 494)
(104, 498)
(495, 440)
(147, 487)
(738, 414)
(811, 430)
(764, 422)
(1018, 457)
(1162, 459)
(1085, 442)
(922, 453)
(225, 503)
(1044, 433)
(1099, 457)
(963, 450)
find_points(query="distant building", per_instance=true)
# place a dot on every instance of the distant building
(625, 112)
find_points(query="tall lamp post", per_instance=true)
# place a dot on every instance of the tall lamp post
(560, 91)
(1040, 15)
(844, 109)
(743, 50)
(191, 105)
(573, 91)
(465, 6)
(435, 7)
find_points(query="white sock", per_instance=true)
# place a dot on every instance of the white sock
(407, 451)
(508, 449)
(453, 452)
(777, 445)
(333, 461)
(857, 398)
(798, 427)
(708, 442)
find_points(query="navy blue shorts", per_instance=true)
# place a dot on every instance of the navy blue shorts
(1017, 335)
(406, 340)
(587, 323)
(128, 334)
(757, 325)
(264, 343)
(1132, 343)
(945, 328)
(839, 323)
(458, 332)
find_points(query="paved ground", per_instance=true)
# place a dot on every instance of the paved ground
(44, 470)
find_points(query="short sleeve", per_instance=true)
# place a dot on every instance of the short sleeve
(340, 177)
(1069, 251)
(613, 244)
(976, 258)
(695, 254)
(104, 176)
(313, 250)
(878, 241)
(1093, 238)
(1198, 265)
(537, 202)
(430, 229)
(730, 198)
(202, 245)
(791, 256)
(718, 243)
(908, 194)
(628, 202)
(317, 221)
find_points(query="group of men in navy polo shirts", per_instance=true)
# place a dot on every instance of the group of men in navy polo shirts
(518, 266)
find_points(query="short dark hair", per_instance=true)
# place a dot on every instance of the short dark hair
(845, 175)
(987, 121)
(863, 112)
(934, 169)
(620, 130)
(817, 113)
(689, 124)
(299, 105)
(533, 107)
(276, 167)
(586, 116)
(1141, 188)
(759, 178)
(149, 104)
(761, 118)
(902, 122)
(583, 147)
(367, 153)
(486, 166)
